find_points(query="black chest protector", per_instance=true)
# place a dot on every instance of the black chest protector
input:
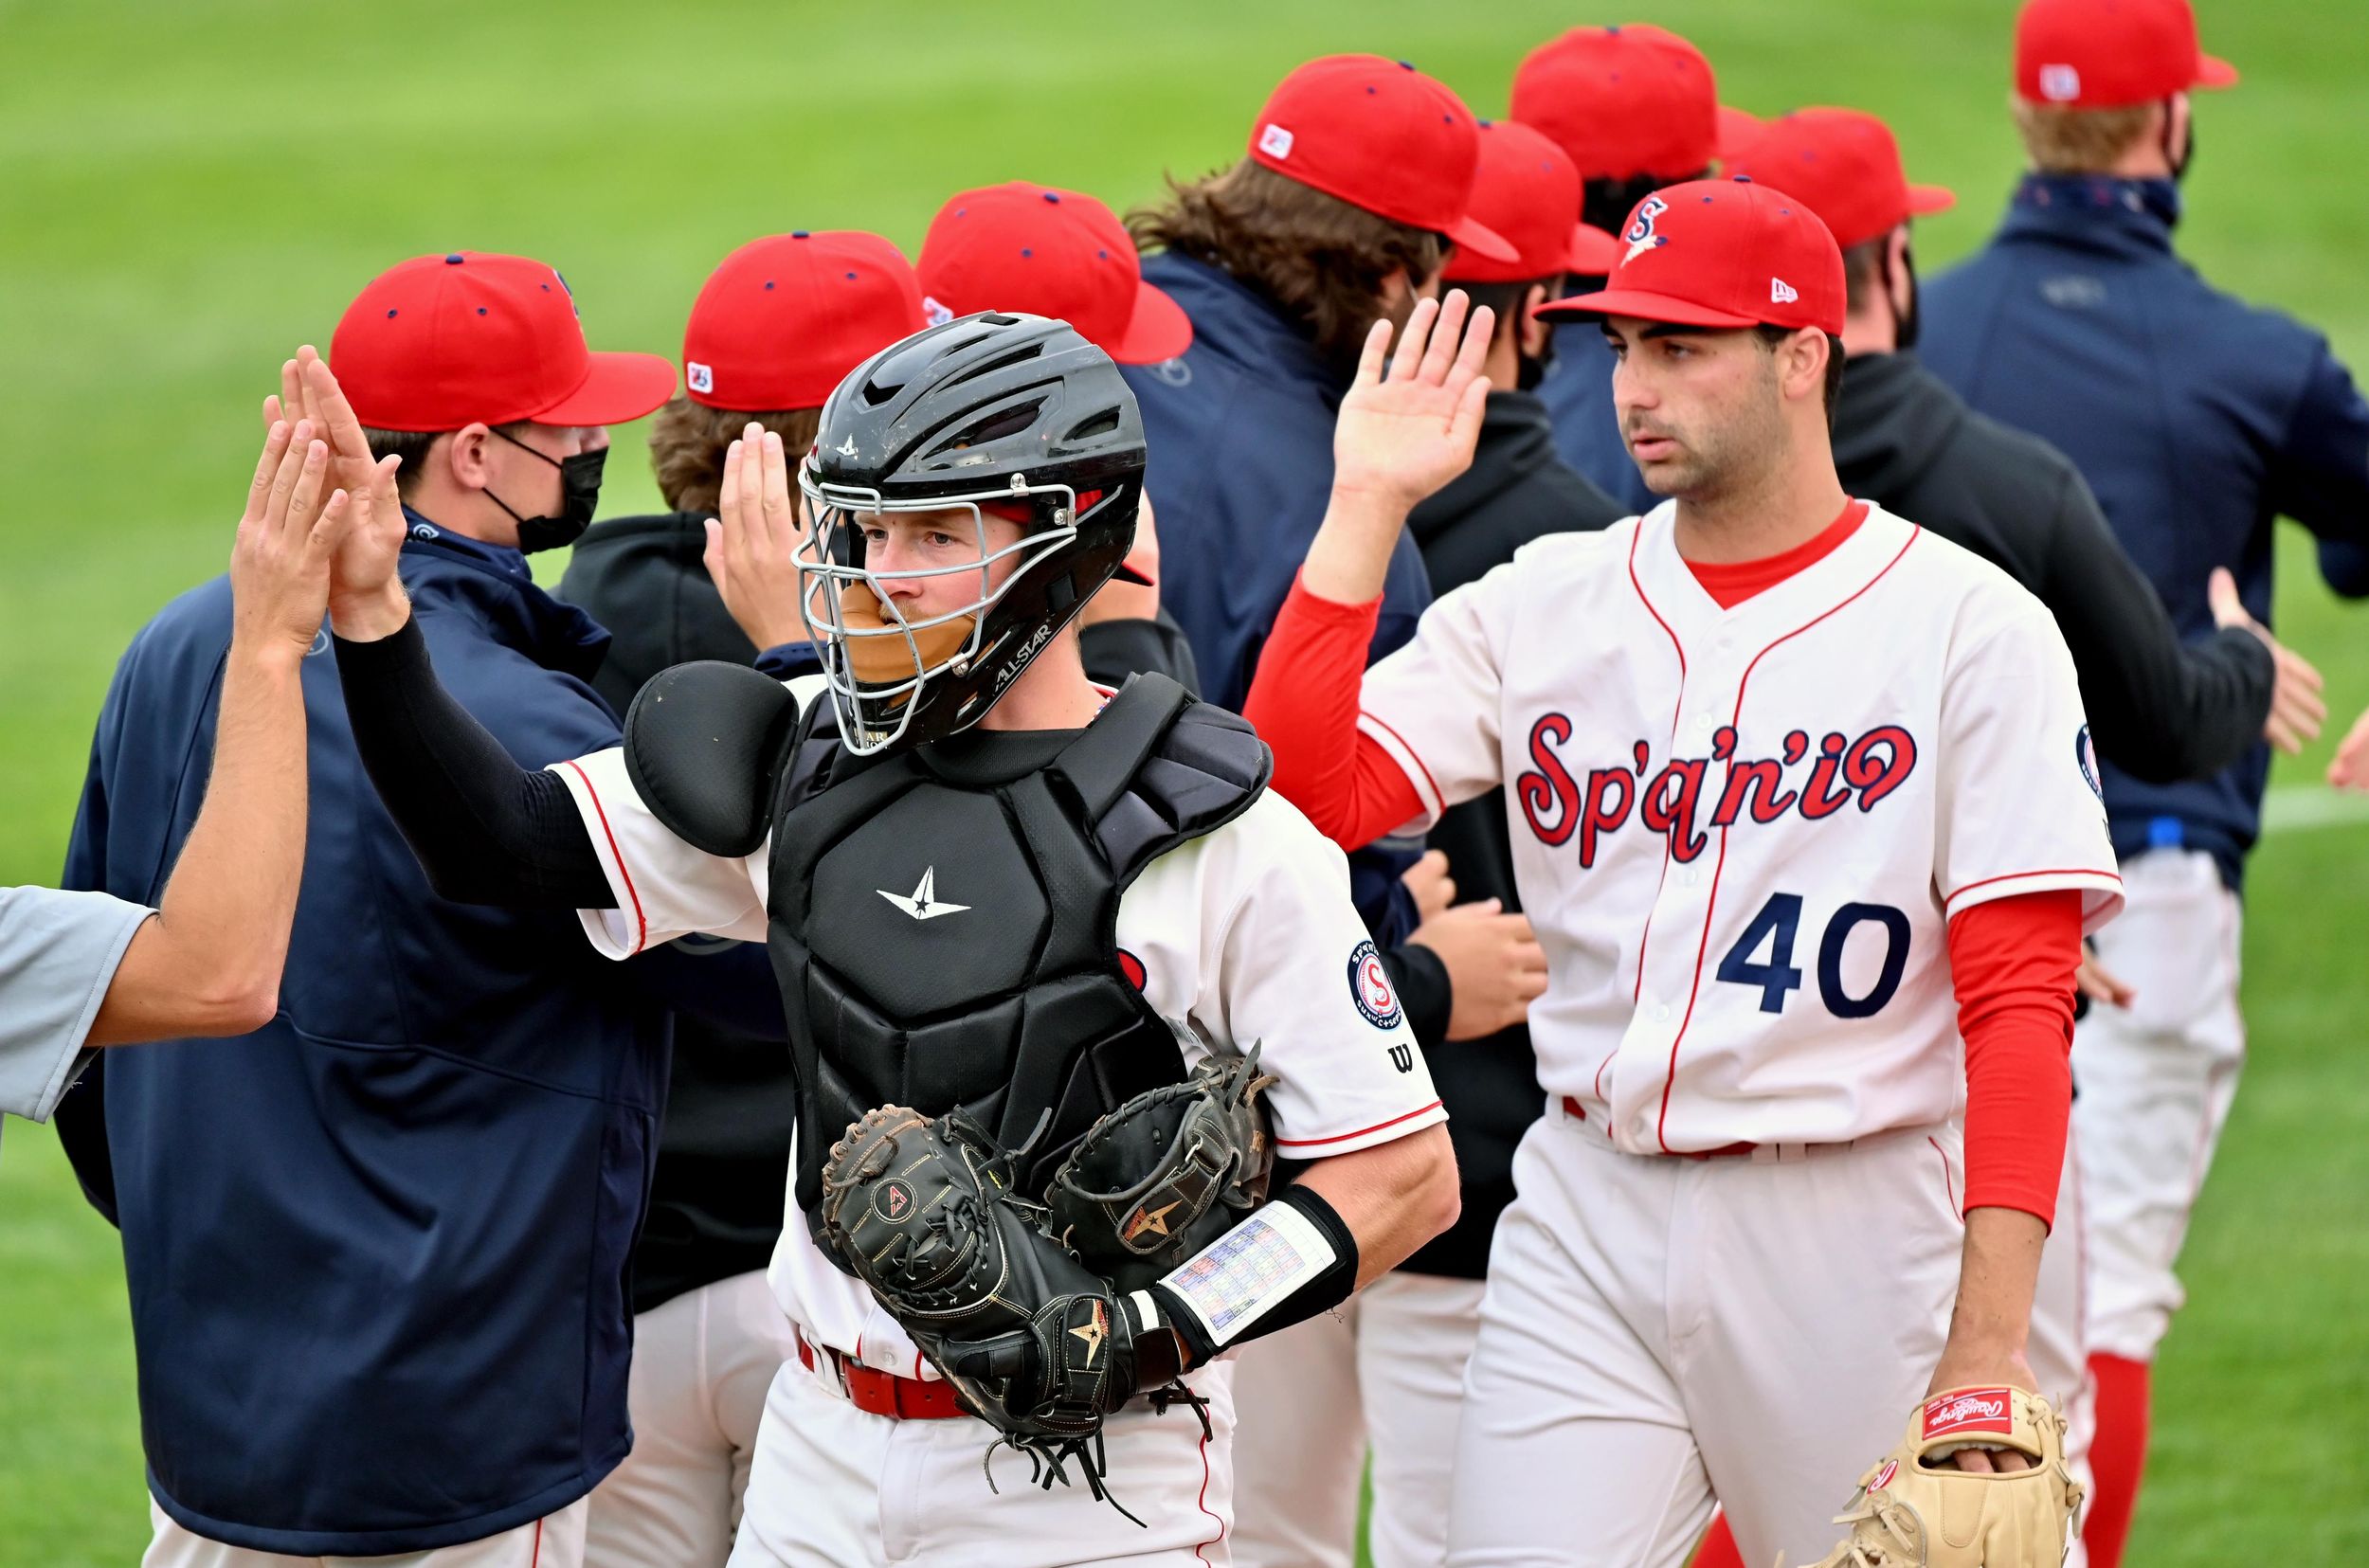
(946, 936)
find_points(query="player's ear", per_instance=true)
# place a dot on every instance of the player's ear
(464, 455)
(1802, 360)
(1531, 333)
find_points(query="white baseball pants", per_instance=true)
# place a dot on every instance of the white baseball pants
(2156, 1080)
(835, 1487)
(1386, 1369)
(1660, 1331)
(555, 1540)
(701, 1366)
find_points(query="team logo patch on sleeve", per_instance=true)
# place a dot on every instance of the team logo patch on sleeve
(2086, 753)
(1370, 987)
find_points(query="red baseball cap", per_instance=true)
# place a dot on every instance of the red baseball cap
(783, 319)
(1845, 164)
(1526, 189)
(1381, 136)
(1049, 252)
(2100, 54)
(1622, 101)
(1722, 253)
(440, 342)
(1737, 127)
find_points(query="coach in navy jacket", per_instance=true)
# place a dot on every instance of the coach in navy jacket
(378, 1249)
(2226, 417)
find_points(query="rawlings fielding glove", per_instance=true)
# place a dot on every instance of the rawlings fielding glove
(1917, 1511)
(1034, 1343)
(1165, 1174)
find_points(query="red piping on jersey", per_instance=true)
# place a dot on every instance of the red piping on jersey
(1711, 908)
(1439, 800)
(1646, 935)
(537, 1556)
(1345, 1137)
(1949, 1188)
(1203, 1502)
(2114, 877)
(641, 925)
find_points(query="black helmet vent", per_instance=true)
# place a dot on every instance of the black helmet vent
(1005, 422)
(1020, 355)
(1100, 425)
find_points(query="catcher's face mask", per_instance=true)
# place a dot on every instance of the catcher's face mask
(900, 595)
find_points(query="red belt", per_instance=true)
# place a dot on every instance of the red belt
(1573, 1107)
(884, 1393)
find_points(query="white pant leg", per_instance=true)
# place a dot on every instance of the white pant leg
(1299, 1443)
(2059, 1347)
(2156, 1080)
(1574, 1450)
(555, 1540)
(701, 1366)
(835, 1486)
(1809, 1300)
(1415, 1335)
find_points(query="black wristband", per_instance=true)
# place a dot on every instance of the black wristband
(1321, 1293)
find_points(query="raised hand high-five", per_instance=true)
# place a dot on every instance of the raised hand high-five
(1400, 435)
(753, 540)
(366, 598)
(292, 526)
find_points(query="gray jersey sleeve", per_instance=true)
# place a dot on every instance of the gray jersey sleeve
(58, 955)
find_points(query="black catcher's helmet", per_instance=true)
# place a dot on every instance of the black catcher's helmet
(1018, 413)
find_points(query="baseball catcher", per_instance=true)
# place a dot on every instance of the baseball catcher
(1027, 930)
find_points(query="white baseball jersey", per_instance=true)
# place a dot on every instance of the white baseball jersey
(1740, 833)
(1246, 933)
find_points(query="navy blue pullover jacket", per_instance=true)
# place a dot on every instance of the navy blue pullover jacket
(1240, 434)
(2196, 417)
(377, 1249)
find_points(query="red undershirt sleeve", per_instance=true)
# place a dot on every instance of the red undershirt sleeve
(2011, 963)
(1304, 702)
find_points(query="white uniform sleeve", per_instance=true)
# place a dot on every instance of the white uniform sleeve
(1434, 704)
(1288, 965)
(663, 887)
(2017, 804)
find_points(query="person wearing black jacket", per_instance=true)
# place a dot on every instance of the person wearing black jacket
(1387, 1370)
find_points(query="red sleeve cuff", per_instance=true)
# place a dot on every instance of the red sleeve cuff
(1304, 701)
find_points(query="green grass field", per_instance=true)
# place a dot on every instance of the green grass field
(188, 191)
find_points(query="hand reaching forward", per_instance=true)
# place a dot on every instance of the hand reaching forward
(2297, 710)
(754, 541)
(1399, 436)
(280, 564)
(366, 599)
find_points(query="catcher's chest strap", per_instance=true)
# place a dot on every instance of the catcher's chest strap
(879, 1392)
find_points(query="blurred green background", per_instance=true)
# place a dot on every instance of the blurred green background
(188, 191)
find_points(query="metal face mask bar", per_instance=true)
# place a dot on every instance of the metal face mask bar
(878, 662)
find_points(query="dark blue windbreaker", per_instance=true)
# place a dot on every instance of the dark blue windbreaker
(2197, 420)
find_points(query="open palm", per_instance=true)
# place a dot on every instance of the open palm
(366, 558)
(1403, 434)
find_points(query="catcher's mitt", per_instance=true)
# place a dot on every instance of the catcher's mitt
(1034, 1343)
(1165, 1174)
(1917, 1511)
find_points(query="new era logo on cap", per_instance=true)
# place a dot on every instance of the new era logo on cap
(701, 377)
(2060, 84)
(1275, 141)
(1780, 292)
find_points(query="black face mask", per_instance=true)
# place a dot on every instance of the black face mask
(579, 492)
(2188, 155)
